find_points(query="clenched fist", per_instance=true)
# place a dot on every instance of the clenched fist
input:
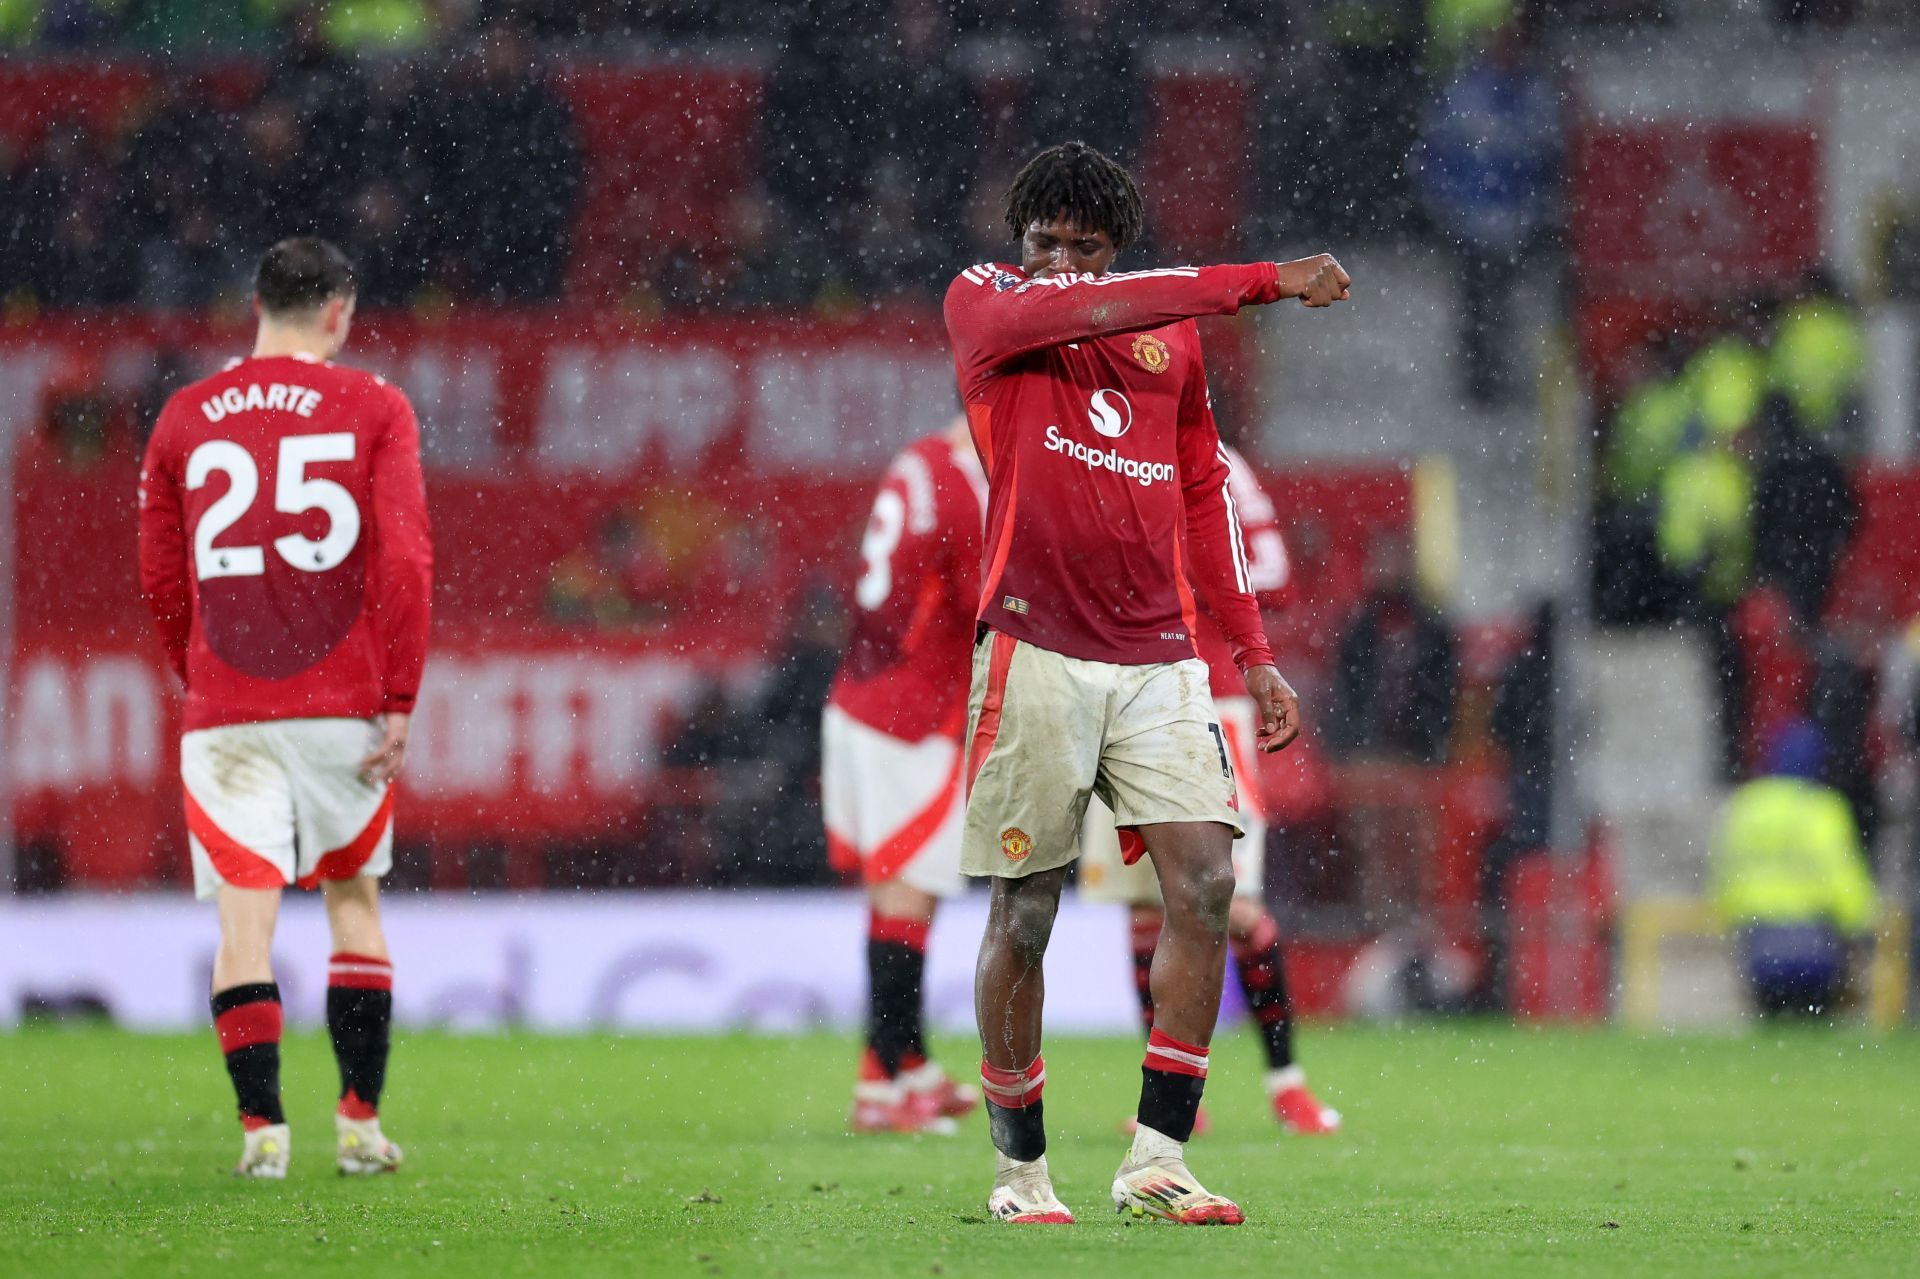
(1316, 281)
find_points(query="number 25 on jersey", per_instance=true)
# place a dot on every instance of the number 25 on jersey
(294, 493)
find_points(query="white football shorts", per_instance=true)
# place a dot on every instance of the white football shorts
(281, 802)
(892, 808)
(1047, 732)
(1104, 877)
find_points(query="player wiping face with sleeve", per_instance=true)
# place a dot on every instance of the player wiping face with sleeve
(285, 556)
(1108, 504)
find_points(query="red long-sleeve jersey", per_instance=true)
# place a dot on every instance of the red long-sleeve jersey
(284, 549)
(1107, 483)
(906, 668)
(1269, 571)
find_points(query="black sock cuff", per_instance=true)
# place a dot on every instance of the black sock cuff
(251, 993)
(1170, 1102)
(1018, 1133)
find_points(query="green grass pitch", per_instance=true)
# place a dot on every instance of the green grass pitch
(1469, 1150)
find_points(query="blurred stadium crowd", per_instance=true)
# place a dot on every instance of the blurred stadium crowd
(401, 165)
(411, 24)
(431, 139)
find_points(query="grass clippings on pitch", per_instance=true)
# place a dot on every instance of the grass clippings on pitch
(1469, 1150)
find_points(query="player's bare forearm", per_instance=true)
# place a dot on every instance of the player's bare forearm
(1316, 281)
(1277, 706)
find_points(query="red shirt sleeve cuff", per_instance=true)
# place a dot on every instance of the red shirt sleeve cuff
(398, 704)
(1249, 652)
(1266, 287)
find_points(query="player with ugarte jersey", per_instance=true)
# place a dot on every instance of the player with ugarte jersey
(890, 762)
(1258, 958)
(284, 553)
(1107, 505)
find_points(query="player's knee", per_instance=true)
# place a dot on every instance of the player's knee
(1027, 925)
(245, 947)
(353, 916)
(1027, 933)
(1206, 893)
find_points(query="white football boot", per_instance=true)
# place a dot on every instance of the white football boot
(1153, 1181)
(1023, 1193)
(265, 1154)
(361, 1149)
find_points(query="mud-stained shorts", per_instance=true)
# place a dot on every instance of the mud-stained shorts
(281, 802)
(1104, 877)
(1046, 732)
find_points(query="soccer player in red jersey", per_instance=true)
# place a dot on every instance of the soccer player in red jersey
(284, 553)
(890, 771)
(1258, 958)
(1107, 495)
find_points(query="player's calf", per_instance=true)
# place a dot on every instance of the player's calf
(1022, 1187)
(1153, 1180)
(1144, 931)
(896, 968)
(248, 1021)
(1261, 964)
(360, 1022)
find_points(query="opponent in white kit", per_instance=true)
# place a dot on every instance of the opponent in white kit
(891, 785)
(285, 555)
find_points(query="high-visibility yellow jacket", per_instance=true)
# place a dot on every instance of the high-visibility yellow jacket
(1788, 853)
(1648, 433)
(1729, 382)
(1705, 521)
(1819, 358)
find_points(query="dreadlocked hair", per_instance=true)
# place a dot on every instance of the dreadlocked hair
(1075, 182)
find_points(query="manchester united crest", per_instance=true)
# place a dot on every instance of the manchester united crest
(1016, 844)
(1152, 353)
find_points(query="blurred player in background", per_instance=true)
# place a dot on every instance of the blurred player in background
(890, 772)
(1108, 503)
(284, 553)
(1257, 954)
